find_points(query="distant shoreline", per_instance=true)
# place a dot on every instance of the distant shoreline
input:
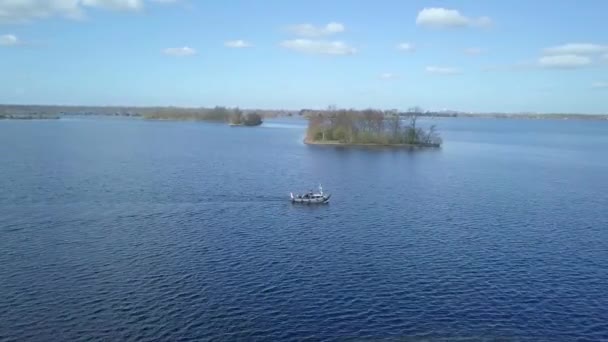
(542, 117)
(29, 117)
(23, 112)
(336, 143)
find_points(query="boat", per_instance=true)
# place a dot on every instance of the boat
(310, 197)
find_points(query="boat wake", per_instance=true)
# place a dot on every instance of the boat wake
(243, 199)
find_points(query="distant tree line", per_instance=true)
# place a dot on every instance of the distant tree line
(220, 114)
(370, 127)
(223, 114)
(54, 112)
(28, 116)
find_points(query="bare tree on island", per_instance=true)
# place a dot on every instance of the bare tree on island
(394, 122)
(412, 132)
(236, 117)
(252, 119)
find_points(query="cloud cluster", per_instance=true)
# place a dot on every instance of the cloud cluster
(438, 17)
(571, 55)
(576, 49)
(22, 11)
(313, 39)
(561, 57)
(119, 5)
(564, 61)
(312, 31)
(19, 11)
(308, 40)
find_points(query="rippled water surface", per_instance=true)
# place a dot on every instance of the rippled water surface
(114, 229)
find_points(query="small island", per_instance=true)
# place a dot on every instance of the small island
(232, 116)
(369, 128)
(216, 114)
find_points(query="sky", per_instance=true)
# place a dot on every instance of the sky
(481, 56)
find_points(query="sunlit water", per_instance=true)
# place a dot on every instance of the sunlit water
(124, 229)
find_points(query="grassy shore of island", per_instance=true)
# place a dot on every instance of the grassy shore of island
(337, 143)
(369, 128)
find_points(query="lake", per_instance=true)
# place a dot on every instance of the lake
(124, 229)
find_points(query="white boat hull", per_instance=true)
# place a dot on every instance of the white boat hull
(314, 200)
(311, 200)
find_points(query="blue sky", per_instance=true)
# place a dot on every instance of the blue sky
(507, 56)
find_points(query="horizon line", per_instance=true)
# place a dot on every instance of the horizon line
(452, 111)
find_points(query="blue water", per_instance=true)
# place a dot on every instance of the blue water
(124, 229)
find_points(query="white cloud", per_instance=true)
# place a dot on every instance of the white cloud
(25, 10)
(387, 76)
(9, 40)
(442, 70)
(437, 17)
(407, 47)
(237, 44)
(319, 47)
(564, 61)
(121, 5)
(18, 11)
(546, 62)
(576, 49)
(309, 30)
(600, 85)
(473, 51)
(179, 51)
